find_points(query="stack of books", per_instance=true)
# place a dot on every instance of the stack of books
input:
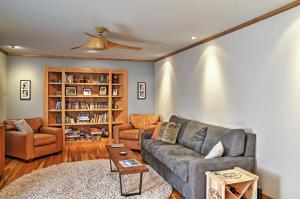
(74, 134)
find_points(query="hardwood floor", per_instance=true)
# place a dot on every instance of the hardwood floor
(73, 151)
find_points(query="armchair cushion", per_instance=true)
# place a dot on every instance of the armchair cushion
(9, 125)
(35, 123)
(40, 139)
(142, 121)
(131, 134)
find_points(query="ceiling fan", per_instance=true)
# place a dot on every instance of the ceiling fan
(100, 42)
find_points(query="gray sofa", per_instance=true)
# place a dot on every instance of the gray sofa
(183, 164)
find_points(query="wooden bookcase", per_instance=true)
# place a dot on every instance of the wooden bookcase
(104, 100)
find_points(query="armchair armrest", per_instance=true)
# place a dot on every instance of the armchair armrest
(198, 167)
(58, 132)
(118, 128)
(19, 144)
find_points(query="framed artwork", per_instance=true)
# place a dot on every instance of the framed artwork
(71, 91)
(87, 91)
(102, 90)
(25, 89)
(141, 90)
(115, 92)
(70, 79)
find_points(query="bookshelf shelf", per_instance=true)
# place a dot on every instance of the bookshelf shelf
(87, 124)
(86, 110)
(100, 105)
(87, 96)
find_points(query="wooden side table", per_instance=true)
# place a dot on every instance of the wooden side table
(2, 148)
(231, 184)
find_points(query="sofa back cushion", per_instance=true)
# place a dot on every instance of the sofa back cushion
(35, 123)
(193, 135)
(179, 120)
(142, 121)
(233, 140)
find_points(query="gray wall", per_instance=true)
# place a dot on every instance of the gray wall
(249, 79)
(29, 68)
(3, 87)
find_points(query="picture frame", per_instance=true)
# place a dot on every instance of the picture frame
(71, 91)
(115, 92)
(70, 79)
(102, 90)
(87, 91)
(141, 90)
(25, 89)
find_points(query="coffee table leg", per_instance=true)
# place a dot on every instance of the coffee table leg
(110, 164)
(131, 194)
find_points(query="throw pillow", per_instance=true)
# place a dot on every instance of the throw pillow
(156, 130)
(169, 132)
(216, 151)
(23, 126)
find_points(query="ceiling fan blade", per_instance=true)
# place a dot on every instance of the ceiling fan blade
(76, 47)
(101, 29)
(115, 45)
(90, 35)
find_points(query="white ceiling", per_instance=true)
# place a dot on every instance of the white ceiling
(51, 27)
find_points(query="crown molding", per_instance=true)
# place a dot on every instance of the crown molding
(74, 57)
(235, 28)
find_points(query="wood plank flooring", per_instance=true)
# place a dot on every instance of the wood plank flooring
(73, 151)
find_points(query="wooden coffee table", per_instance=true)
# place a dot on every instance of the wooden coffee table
(115, 157)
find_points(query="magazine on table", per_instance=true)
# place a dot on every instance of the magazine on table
(130, 163)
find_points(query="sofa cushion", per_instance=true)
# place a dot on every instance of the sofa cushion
(40, 139)
(169, 132)
(233, 140)
(35, 123)
(193, 135)
(176, 157)
(131, 134)
(179, 120)
(142, 121)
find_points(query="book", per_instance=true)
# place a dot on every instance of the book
(117, 145)
(130, 163)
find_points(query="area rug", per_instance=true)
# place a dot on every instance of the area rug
(84, 179)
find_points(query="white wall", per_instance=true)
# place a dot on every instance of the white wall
(28, 68)
(250, 78)
(3, 88)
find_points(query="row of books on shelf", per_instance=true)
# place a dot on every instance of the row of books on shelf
(87, 118)
(93, 134)
(87, 105)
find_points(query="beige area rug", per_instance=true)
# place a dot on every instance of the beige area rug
(84, 179)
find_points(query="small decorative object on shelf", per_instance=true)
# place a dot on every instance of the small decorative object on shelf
(58, 93)
(58, 119)
(103, 79)
(231, 184)
(115, 92)
(102, 90)
(141, 90)
(25, 89)
(115, 79)
(87, 91)
(71, 91)
(70, 79)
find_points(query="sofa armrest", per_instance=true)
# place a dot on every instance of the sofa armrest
(19, 144)
(118, 128)
(58, 132)
(198, 167)
(144, 136)
(150, 128)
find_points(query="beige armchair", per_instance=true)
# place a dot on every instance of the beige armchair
(29, 145)
(130, 134)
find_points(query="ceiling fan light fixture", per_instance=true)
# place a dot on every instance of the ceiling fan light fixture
(14, 46)
(193, 37)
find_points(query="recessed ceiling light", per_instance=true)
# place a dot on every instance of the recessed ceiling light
(91, 51)
(15, 47)
(193, 37)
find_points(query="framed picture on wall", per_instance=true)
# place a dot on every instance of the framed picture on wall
(25, 89)
(141, 90)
